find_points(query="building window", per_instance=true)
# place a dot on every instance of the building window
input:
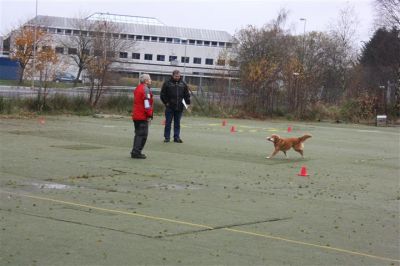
(192, 42)
(233, 63)
(169, 40)
(228, 45)
(221, 44)
(177, 40)
(146, 38)
(199, 42)
(52, 30)
(160, 57)
(153, 39)
(197, 60)
(161, 39)
(123, 55)
(60, 31)
(59, 50)
(183, 41)
(221, 62)
(85, 51)
(206, 43)
(68, 32)
(72, 51)
(131, 37)
(46, 48)
(214, 43)
(172, 58)
(209, 61)
(185, 61)
(75, 32)
(135, 56)
(123, 36)
(148, 57)
(139, 37)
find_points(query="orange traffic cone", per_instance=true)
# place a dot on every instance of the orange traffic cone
(289, 129)
(42, 121)
(223, 123)
(233, 129)
(303, 171)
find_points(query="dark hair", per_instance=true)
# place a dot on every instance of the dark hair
(176, 72)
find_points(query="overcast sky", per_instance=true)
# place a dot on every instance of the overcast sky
(226, 15)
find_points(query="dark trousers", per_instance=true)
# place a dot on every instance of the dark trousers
(176, 116)
(141, 133)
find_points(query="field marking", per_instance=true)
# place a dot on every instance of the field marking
(340, 250)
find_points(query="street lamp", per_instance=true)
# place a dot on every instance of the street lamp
(184, 61)
(304, 38)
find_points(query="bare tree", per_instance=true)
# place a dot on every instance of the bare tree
(107, 45)
(263, 54)
(387, 14)
(343, 34)
(82, 42)
(47, 65)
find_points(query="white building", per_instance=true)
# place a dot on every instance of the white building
(158, 49)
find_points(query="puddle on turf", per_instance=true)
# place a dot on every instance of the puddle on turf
(77, 147)
(21, 132)
(50, 186)
(173, 187)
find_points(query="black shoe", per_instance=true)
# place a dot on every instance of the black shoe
(178, 140)
(166, 140)
(138, 156)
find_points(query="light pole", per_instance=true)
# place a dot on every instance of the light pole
(383, 88)
(184, 60)
(34, 48)
(304, 39)
(295, 91)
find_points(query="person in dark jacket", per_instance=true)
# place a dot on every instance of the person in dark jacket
(142, 113)
(175, 95)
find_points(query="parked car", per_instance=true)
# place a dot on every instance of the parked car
(64, 77)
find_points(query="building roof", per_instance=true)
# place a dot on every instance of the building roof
(125, 19)
(138, 28)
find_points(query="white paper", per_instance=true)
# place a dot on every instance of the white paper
(184, 103)
(146, 104)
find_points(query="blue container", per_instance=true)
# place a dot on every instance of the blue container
(9, 69)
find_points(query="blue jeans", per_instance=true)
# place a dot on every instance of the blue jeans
(169, 115)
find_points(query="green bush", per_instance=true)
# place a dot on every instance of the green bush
(121, 103)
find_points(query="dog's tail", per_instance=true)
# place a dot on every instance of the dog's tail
(303, 138)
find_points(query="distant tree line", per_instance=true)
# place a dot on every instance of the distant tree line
(322, 73)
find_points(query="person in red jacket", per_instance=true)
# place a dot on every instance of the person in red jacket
(142, 113)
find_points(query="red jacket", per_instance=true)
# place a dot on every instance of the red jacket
(139, 112)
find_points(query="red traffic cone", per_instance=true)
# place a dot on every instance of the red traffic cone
(223, 123)
(233, 129)
(303, 171)
(289, 129)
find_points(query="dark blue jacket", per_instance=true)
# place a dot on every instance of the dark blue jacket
(172, 93)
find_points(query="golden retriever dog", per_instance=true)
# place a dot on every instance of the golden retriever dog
(284, 144)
